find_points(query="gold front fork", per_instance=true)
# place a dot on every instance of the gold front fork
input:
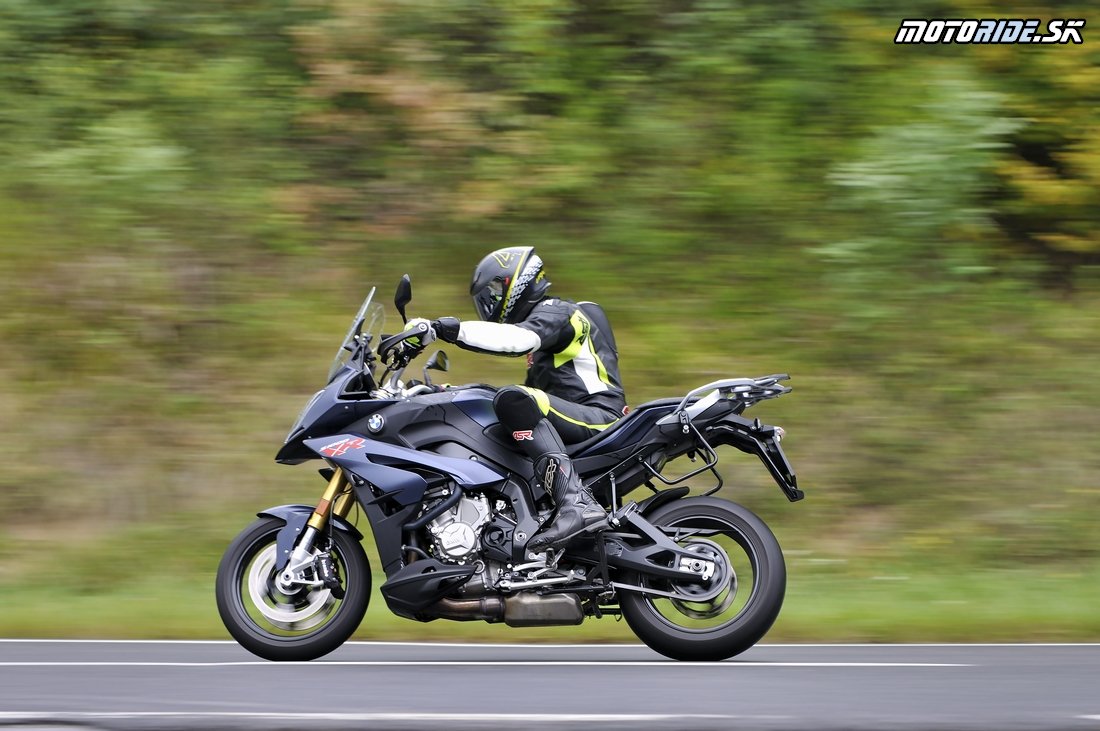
(336, 500)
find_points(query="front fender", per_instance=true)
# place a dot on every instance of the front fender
(295, 517)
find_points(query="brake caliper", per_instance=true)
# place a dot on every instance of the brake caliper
(326, 572)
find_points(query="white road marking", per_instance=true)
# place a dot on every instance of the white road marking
(550, 645)
(484, 663)
(31, 716)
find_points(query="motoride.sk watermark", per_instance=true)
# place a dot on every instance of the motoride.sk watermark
(985, 30)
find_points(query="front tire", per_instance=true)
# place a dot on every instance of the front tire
(727, 613)
(278, 626)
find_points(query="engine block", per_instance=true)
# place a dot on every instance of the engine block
(456, 534)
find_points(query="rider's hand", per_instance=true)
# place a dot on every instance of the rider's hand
(446, 328)
(425, 338)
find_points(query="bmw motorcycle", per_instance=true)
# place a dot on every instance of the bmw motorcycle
(452, 504)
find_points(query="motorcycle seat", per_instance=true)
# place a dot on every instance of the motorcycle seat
(618, 434)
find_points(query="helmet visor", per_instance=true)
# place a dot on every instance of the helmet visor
(489, 300)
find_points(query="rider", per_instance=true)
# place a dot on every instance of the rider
(572, 391)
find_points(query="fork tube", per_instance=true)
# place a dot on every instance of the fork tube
(338, 484)
(341, 506)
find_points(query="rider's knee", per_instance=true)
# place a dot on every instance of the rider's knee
(517, 405)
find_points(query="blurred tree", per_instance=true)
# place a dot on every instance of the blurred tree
(742, 186)
(918, 193)
(1048, 199)
(1045, 198)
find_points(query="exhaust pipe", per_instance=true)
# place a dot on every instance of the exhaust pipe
(487, 608)
(528, 609)
(525, 609)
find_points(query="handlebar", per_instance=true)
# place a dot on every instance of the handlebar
(390, 343)
(398, 390)
(396, 352)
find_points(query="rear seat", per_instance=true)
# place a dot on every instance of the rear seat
(630, 418)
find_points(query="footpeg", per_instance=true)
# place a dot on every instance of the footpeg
(616, 518)
(589, 529)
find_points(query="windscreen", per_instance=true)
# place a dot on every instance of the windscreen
(366, 324)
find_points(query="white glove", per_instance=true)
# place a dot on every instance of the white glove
(426, 337)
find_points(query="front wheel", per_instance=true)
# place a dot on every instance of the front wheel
(727, 610)
(289, 623)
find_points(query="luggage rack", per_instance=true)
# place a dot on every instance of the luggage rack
(745, 390)
(707, 452)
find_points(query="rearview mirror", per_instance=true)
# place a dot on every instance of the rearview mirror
(438, 362)
(403, 296)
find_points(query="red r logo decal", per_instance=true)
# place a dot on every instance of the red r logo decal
(519, 436)
(338, 449)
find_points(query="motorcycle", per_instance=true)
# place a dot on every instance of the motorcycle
(452, 504)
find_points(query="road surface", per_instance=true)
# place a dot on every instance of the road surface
(412, 686)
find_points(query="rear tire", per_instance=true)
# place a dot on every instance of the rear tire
(277, 626)
(749, 565)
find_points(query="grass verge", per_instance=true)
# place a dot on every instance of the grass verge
(825, 602)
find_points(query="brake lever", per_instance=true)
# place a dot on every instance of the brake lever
(390, 344)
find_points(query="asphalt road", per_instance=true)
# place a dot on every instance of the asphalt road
(215, 685)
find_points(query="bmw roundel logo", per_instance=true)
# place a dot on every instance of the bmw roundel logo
(376, 422)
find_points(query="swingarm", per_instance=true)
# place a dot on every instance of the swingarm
(648, 551)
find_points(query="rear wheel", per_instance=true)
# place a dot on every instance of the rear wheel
(289, 623)
(731, 604)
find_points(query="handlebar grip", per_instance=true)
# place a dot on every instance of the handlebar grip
(392, 341)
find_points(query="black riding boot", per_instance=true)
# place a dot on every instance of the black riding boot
(577, 510)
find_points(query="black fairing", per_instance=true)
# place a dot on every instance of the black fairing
(330, 410)
(422, 583)
(452, 424)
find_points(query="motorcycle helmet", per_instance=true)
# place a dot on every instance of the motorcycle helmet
(508, 283)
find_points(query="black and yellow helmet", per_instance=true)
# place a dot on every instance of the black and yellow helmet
(508, 283)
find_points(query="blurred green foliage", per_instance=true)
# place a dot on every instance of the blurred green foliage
(195, 195)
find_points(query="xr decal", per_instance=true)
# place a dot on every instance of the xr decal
(337, 449)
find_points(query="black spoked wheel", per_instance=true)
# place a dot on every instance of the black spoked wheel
(289, 623)
(733, 595)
